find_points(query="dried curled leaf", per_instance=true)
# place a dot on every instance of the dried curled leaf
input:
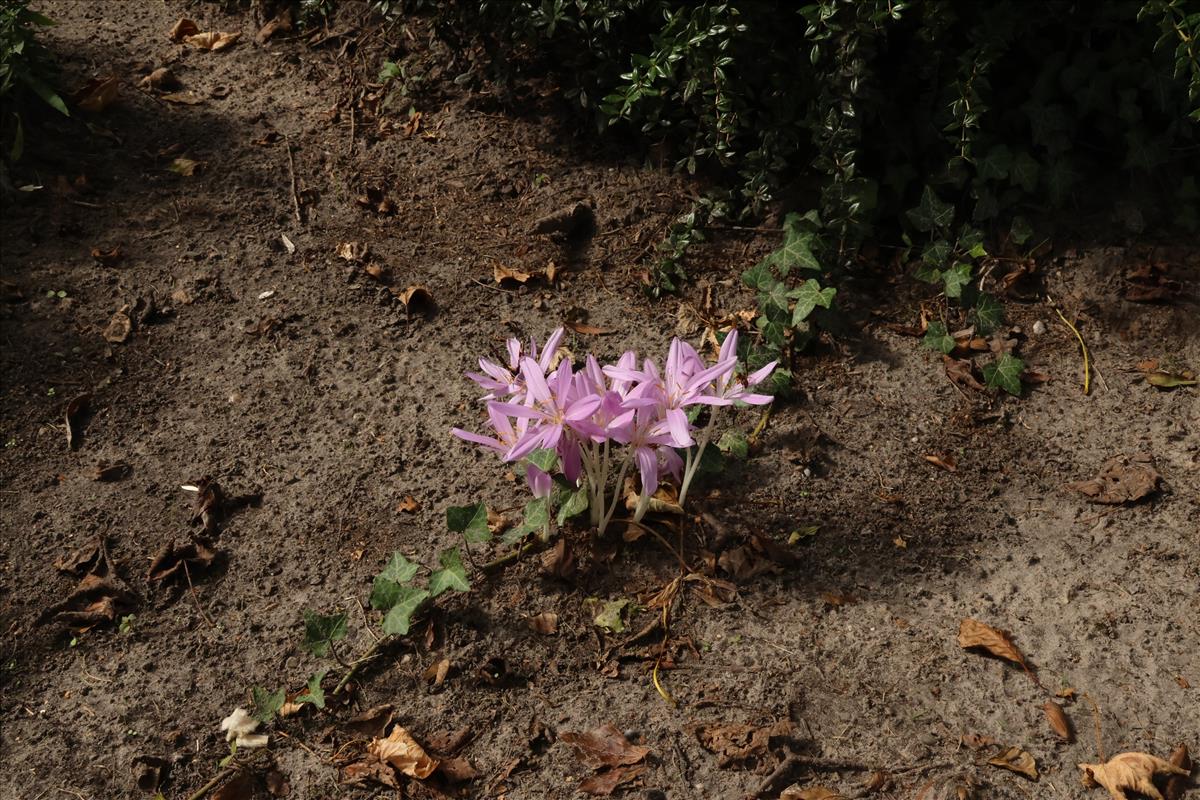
(605, 746)
(1133, 772)
(1123, 479)
(1058, 720)
(973, 633)
(794, 792)
(402, 751)
(185, 27)
(213, 40)
(1016, 760)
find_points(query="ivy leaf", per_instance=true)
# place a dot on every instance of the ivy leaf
(936, 254)
(931, 214)
(1005, 373)
(988, 314)
(759, 275)
(267, 704)
(996, 164)
(808, 296)
(544, 459)
(576, 503)
(470, 521)
(1020, 232)
(734, 443)
(1024, 172)
(321, 630)
(796, 252)
(400, 616)
(314, 693)
(452, 575)
(956, 278)
(610, 617)
(937, 338)
(386, 588)
(775, 295)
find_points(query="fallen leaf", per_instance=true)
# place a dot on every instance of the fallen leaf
(956, 786)
(277, 783)
(282, 23)
(665, 499)
(213, 41)
(741, 745)
(1058, 720)
(185, 166)
(378, 272)
(1168, 378)
(107, 473)
(374, 199)
(458, 770)
(354, 252)
(1018, 761)
(97, 94)
(501, 274)
(108, 258)
(900, 543)
(551, 273)
(961, 371)
(401, 751)
(946, 462)
(794, 792)
(1183, 682)
(408, 505)
(610, 617)
(161, 79)
(149, 772)
(588, 330)
(181, 562)
(437, 671)
(415, 298)
(1129, 772)
(497, 523)
(119, 327)
(366, 771)
(1067, 693)
(183, 98)
(559, 560)
(184, 27)
(1123, 479)
(604, 746)
(372, 722)
(288, 244)
(976, 741)
(606, 781)
(1177, 784)
(73, 415)
(972, 633)
(545, 623)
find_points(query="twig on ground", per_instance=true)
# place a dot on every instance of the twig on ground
(195, 597)
(1096, 722)
(1087, 372)
(292, 175)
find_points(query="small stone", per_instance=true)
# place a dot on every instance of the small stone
(1039, 328)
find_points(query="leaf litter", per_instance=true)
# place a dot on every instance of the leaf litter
(975, 634)
(1122, 479)
(1132, 772)
(99, 597)
(614, 758)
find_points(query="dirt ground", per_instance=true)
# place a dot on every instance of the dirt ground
(299, 377)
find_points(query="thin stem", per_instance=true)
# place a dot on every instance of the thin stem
(693, 462)
(616, 495)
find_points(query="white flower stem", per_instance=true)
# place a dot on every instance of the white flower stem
(616, 496)
(692, 463)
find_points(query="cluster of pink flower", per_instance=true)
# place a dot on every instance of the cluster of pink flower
(581, 414)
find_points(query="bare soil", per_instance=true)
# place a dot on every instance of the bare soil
(299, 377)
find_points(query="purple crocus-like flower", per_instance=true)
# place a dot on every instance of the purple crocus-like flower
(506, 437)
(507, 382)
(553, 409)
(539, 481)
(638, 429)
(726, 390)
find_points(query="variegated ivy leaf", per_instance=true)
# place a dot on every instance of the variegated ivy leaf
(931, 213)
(937, 338)
(795, 253)
(400, 616)
(452, 575)
(544, 459)
(575, 503)
(386, 587)
(956, 278)
(988, 314)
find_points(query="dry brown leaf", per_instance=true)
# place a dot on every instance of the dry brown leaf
(946, 462)
(73, 416)
(183, 98)
(354, 252)
(367, 771)
(181, 562)
(1123, 479)
(794, 792)
(497, 523)
(282, 23)
(185, 166)
(372, 722)
(401, 751)
(1058, 720)
(501, 273)
(977, 741)
(378, 272)
(1177, 784)
(972, 633)
(458, 770)
(108, 258)
(961, 371)
(97, 94)
(559, 561)
(1133, 772)
(741, 744)
(184, 27)
(408, 505)
(213, 40)
(900, 543)
(119, 327)
(545, 623)
(436, 672)
(1018, 761)
(243, 786)
(160, 80)
(604, 746)
(415, 298)
(956, 786)
(606, 781)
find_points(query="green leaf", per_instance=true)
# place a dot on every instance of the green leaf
(931, 214)
(734, 443)
(988, 314)
(576, 503)
(400, 569)
(808, 296)
(1020, 232)
(956, 278)
(267, 704)
(775, 295)
(610, 617)
(937, 338)
(796, 252)
(1005, 373)
(470, 521)
(996, 164)
(1024, 172)
(386, 588)
(544, 459)
(47, 94)
(314, 693)
(321, 630)
(759, 275)
(452, 575)
(400, 616)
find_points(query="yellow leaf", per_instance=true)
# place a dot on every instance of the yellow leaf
(1132, 772)
(1018, 761)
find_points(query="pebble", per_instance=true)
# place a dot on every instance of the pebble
(1039, 328)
